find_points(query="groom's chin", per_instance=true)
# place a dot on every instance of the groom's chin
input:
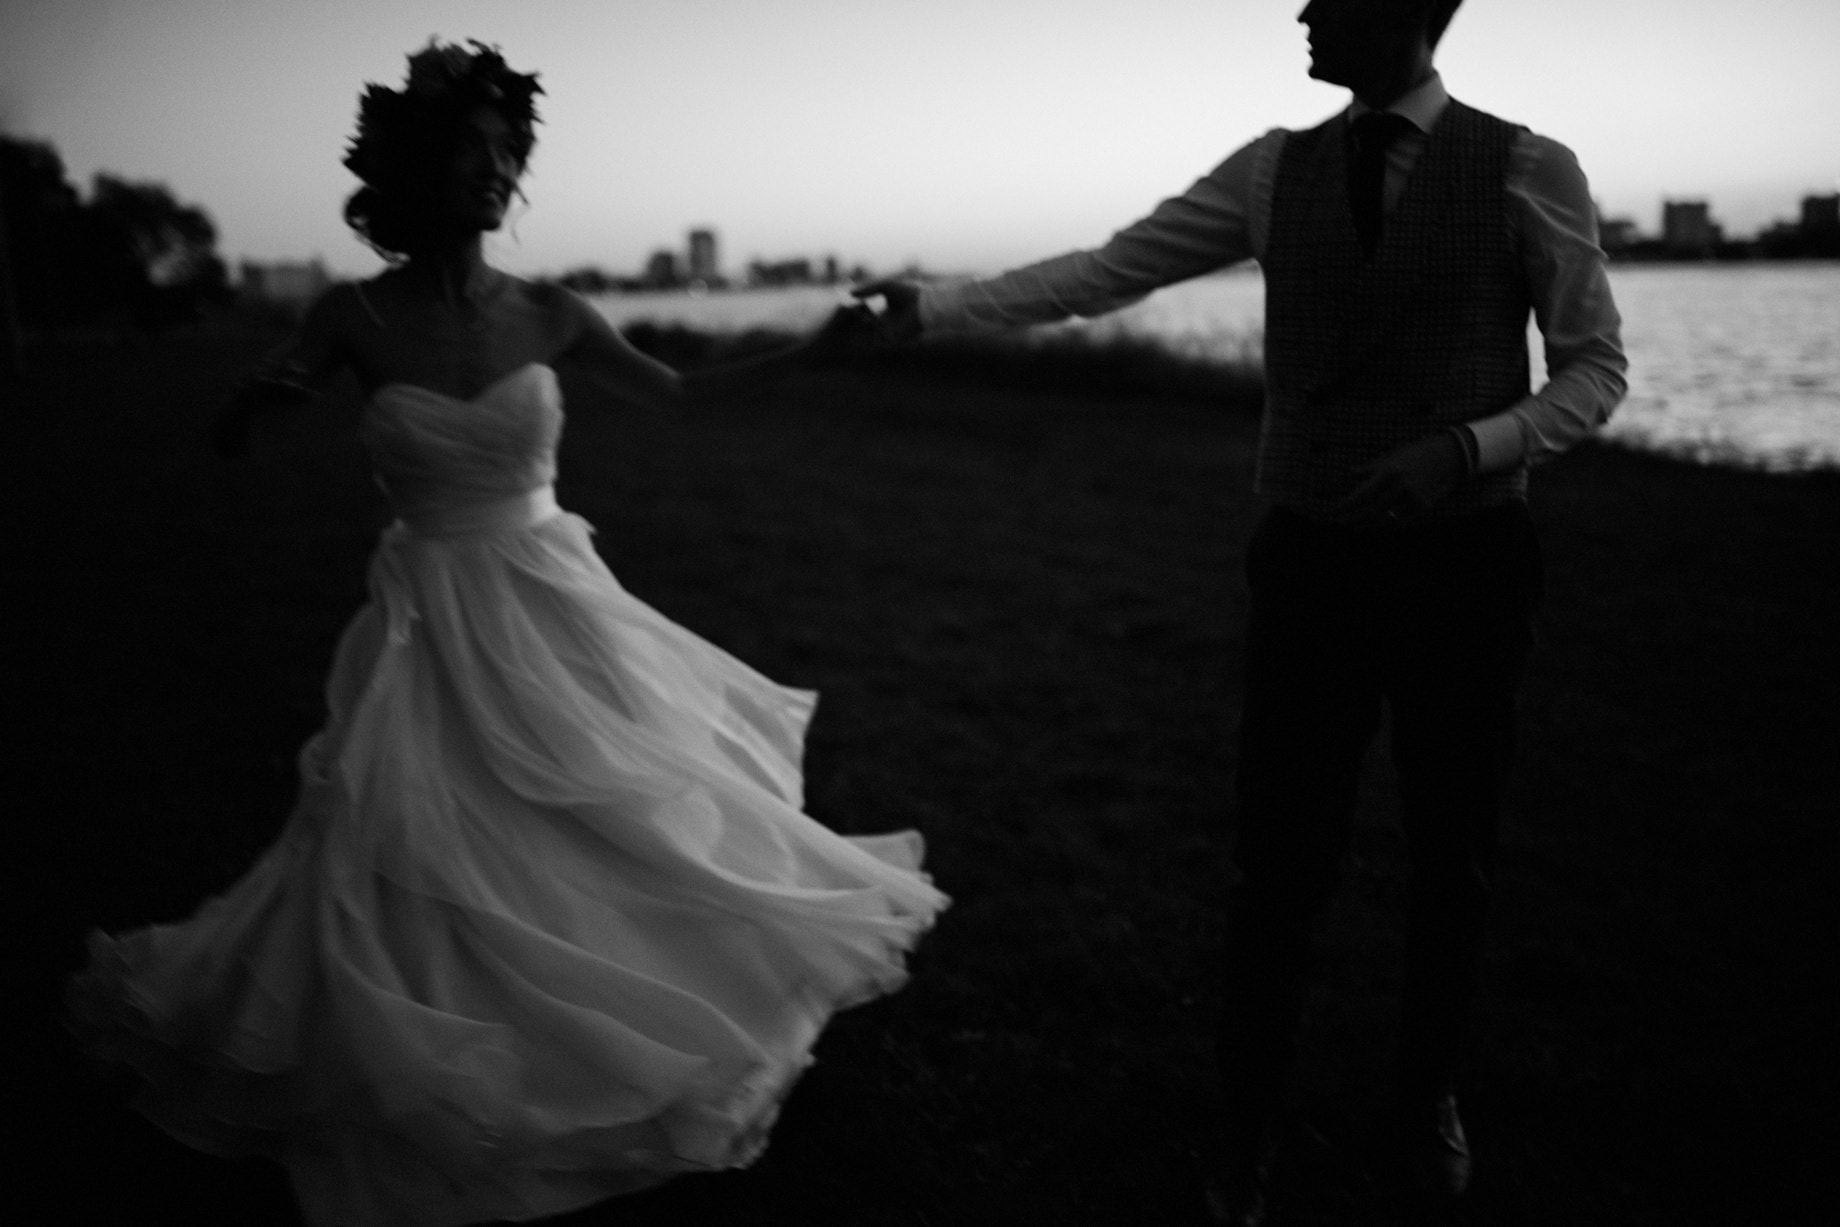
(1322, 68)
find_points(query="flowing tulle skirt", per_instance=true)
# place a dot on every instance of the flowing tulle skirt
(547, 923)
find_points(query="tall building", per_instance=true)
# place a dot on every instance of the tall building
(1820, 214)
(703, 265)
(1687, 226)
(1819, 233)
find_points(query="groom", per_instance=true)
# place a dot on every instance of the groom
(1403, 242)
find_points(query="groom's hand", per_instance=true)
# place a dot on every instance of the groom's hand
(900, 314)
(1406, 481)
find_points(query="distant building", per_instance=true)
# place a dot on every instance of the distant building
(704, 266)
(283, 283)
(779, 272)
(661, 269)
(1819, 232)
(1821, 214)
(1687, 227)
(1616, 234)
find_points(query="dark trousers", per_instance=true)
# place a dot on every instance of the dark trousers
(1435, 622)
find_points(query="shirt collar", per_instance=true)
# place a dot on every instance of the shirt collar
(1421, 105)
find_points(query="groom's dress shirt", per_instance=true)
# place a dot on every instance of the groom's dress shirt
(1225, 219)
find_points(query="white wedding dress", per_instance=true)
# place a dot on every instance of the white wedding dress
(547, 923)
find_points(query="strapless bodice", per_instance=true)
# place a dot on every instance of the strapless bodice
(453, 466)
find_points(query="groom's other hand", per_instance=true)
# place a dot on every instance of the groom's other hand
(900, 314)
(1406, 481)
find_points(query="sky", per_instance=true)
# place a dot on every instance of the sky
(960, 135)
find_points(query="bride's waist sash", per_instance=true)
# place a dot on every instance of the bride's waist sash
(509, 513)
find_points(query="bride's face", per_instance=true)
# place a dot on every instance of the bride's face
(483, 173)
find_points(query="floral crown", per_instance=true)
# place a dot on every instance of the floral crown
(445, 79)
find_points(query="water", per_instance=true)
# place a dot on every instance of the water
(1735, 364)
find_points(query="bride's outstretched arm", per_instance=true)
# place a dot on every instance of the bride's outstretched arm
(621, 371)
(288, 377)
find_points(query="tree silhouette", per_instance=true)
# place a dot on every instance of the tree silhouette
(132, 253)
(43, 223)
(165, 235)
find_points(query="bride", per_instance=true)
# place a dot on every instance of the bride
(547, 923)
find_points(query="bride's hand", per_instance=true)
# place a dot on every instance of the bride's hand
(849, 330)
(899, 320)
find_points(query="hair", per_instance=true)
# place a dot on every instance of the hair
(406, 138)
(1437, 18)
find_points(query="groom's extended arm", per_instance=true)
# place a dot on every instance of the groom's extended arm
(1210, 226)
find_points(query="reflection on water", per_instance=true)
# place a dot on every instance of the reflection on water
(1729, 364)
(1733, 364)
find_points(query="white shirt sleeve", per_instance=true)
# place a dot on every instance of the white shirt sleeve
(1224, 219)
(1550, 204)
(1210, 226)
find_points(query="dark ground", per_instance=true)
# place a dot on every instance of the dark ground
(1023, 610)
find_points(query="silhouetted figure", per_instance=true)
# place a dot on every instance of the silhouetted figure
(1404, 242)
(547, 923)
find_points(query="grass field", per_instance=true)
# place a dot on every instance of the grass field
(1017, 585)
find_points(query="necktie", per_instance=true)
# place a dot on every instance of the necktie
(1370, 136)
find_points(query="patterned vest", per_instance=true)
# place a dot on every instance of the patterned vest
(1362, 355)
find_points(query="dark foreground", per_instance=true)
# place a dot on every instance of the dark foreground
(1023, 610)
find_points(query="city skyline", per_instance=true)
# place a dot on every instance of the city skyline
(959, 136)
(1687, 225)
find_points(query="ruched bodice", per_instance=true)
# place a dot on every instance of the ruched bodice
(452, 466)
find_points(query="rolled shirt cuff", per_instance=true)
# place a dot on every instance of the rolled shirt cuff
(1466, 448)
(1499, 443)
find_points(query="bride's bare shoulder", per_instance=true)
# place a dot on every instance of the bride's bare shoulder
(559, 308)
(348, 324)
(545, 295)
